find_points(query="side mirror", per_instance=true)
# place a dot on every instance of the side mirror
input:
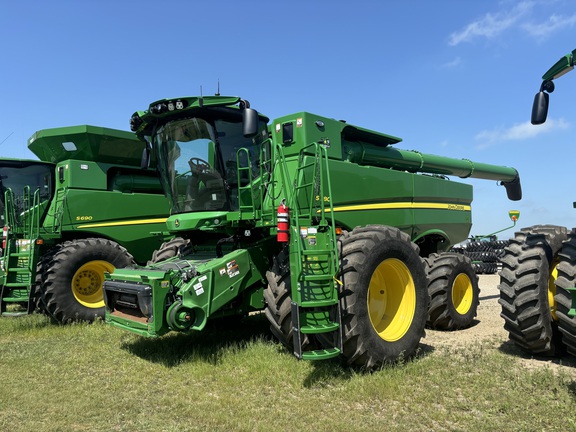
(145, 159)
(249, 122)
(540, 108)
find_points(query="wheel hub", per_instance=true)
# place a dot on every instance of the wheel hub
(391, 299)
(87, 283)
(462, 293)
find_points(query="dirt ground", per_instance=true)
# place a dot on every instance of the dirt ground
(489, 326)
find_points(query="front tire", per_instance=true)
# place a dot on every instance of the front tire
(74, 274)
(527, 289)
(277, 296)
(453, 289)
(38, 293)
(383, 297)
(170, 249)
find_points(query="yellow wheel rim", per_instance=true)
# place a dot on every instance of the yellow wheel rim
(391, 299)
(462, 293)
(552, 291)
(87, 283)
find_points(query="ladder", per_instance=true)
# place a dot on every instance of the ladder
(316, 321)
(20, 234)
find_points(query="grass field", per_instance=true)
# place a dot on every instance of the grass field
(96, 378)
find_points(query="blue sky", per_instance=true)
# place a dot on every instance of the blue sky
(452, 78)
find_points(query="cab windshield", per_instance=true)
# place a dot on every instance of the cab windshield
(24, 180)
(198, 160)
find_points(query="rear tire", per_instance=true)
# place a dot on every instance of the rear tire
(527, 289)
(453, 289)
(383, 297)
(74, 274)
(566, 279)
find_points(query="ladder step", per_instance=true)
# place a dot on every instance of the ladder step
(18, 270)
(14, 314)
(321, 354)
(20, 254)
(15, 299)
(23, 285)
(322, 328)
(317, 277)
(318, 303)
(317, 252)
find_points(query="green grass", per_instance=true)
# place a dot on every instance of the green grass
(97, 378)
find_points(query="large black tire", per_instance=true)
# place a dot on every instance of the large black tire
(169, 249)
(453, 289)
(277, 296)
(37, 296)
(383, 296)
(529, 269)
(73, 277)
(278, 299)
(566, 279)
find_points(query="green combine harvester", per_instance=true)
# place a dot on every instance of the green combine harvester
(83, 209)
(326, 226)
(538, 278)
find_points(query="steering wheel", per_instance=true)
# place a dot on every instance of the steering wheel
(199, 166)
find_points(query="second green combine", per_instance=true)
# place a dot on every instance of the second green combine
(83, 209)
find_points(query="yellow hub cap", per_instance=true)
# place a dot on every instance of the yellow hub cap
(552, 291)
(87, 283)
(462, 293)
(391, 299)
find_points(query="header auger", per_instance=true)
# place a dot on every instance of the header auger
(366, 243)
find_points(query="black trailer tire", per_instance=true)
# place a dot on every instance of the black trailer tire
(169, 249)
(74, 274)
(566, 279)
(453, 289)
(529, 269)
(383, 296)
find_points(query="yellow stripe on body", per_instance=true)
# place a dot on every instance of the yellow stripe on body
(403, 206)
(124, 223)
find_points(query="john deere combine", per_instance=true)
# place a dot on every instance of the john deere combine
(538, 278)
(84, 208)
(324, 225)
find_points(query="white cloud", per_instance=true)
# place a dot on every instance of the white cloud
(551, 25)
(520, 16)
(517, 132)
(491, 25)
(452, 64)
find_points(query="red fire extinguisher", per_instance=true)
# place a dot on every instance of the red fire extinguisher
(4, 236)
(283, 217)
